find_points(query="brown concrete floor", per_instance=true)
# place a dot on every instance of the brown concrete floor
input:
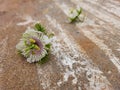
(85, 56)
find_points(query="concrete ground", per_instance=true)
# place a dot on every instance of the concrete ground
(84, 56)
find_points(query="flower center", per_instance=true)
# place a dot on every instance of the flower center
(32, 46)
(32, 40)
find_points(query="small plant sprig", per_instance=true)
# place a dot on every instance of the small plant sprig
(76, 15)
(33, 44)
(42, 29)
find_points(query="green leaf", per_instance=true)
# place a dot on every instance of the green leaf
(39, 27)
(48, 46)
(79, 11)
(72, 19)
(76, 18)
(51, 35)
(44, 59)
(19, 52)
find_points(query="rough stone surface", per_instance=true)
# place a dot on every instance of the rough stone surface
(84, 56)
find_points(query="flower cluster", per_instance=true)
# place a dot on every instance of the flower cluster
(76, 15)
(34, 44)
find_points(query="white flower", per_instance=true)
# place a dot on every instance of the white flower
(76, 15)
(32, 45)
(73, 13)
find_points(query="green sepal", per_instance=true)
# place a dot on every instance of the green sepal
(44, 59)
(40, 28)
(19, 52)
(79, 11)
(48, 46)
(51, 35)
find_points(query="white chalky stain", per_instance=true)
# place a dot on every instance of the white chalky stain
(110, 7)
(28, 20)
(118, 50)
(65, 9)
(94, 39)
(102, 46)
(115, 2)
(59, 83)
(44, 79)
(77, 52)
(107, 17)
(90, 21)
